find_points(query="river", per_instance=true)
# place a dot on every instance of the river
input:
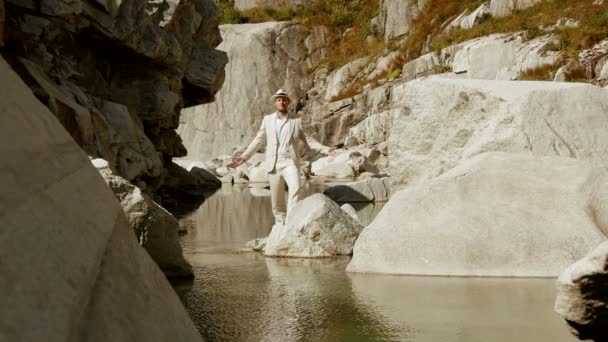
(243, 296)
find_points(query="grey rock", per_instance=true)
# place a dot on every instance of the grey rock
(350, 210)
(104, 285)
(316, 227)
(367, 190)
(154, 227)
(496, 214)
(581, 295)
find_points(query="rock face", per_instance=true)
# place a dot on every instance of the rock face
(467, 20)
(502, 57)
(501, 8)
(263, 58)
(2, 23)
(316, 228)
(154, 227)
(249, 4)
(493, 57)
(497, 214)
(61, 223)
(438, 121)
(581, 295)
(368, 190)
(117, 73)
(396, 16)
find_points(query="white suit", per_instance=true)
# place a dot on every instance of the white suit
(282, 159)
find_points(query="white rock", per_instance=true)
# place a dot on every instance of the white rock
(259, 192)
(154, 227)
(421, 66)
(339, 79)
(63, 225)
(350, 211)
(438, 122)
(497, 214)
(383, 65)
(336, 170)
(374, 129)
(256, 244)
(316, 227)
(502, 56)
(501, 8)
(396, 16)
(468, 20)
(227, 179)
(223, 171)
(258, 174)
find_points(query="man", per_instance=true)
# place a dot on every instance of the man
(282, 133)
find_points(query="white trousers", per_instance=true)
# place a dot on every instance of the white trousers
(286, 172)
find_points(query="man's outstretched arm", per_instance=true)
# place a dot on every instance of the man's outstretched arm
(253, 147)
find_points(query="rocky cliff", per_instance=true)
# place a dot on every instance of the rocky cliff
(117, 73)
(71, 267)
(263, 58)
(335, 102)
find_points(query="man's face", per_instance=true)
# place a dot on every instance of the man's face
(281, 103)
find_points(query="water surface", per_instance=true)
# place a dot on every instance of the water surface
(239, 296)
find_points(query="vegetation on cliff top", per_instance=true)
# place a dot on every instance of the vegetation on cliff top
(349, 25)
(592, 25)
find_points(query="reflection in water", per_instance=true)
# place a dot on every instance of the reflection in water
(246, 297)
(465, 309)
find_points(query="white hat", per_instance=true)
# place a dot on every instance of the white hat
(280, 93)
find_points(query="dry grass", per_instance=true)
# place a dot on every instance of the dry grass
(593, 26)
(541, 73)
(578, 74)
(435, 13)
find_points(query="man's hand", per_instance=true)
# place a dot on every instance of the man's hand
(331, 152)
(236, 163)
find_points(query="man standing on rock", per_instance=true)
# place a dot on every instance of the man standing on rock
(282, 133)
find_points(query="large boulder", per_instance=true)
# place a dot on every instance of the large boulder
(439, 121)
(262, 58)
(184, 185)
(71, 266)
(316, 228)
(154, 227)
(497, 214)
(582, 295)
(367, 190)
(117, 73)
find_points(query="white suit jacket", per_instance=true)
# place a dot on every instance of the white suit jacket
(295, 134)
